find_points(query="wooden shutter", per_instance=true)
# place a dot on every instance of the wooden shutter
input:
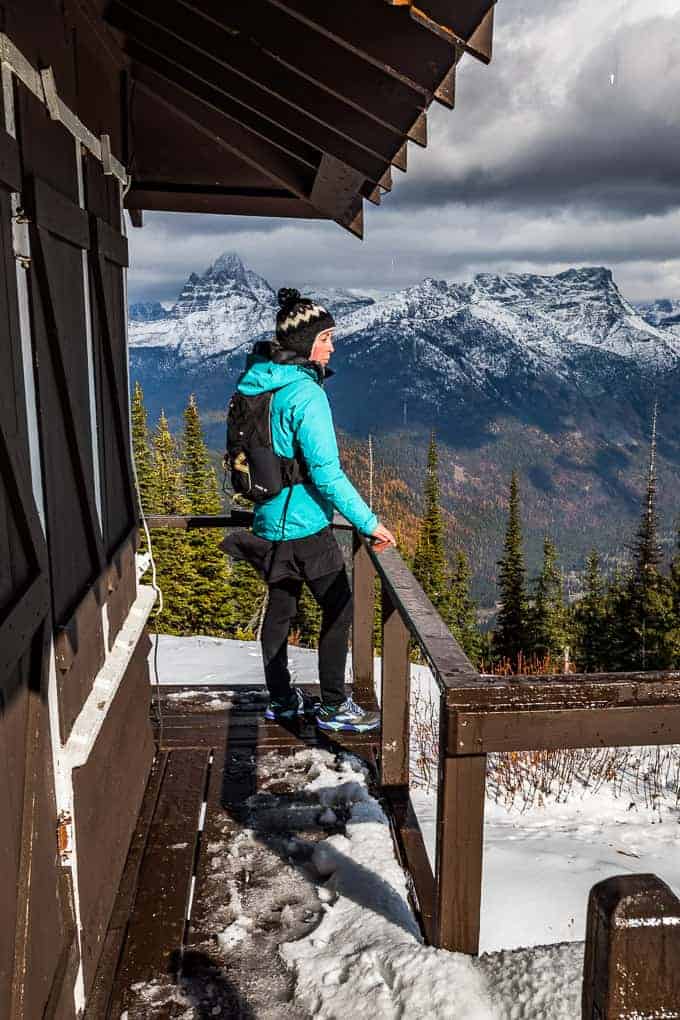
(59, 234)
(108, 259)
(35, 944)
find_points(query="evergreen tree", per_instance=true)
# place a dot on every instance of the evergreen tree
(675, 578)
(461, 614)
(210, 608)
(248, 594)
(511, 624)
(171, 549)
(674, 586)
(546, 619)
(617, 622)
(591, 619)
(651, 634)
(647, 551)
(429, 560)
(141, 451)
(307, 621)
(141, 447)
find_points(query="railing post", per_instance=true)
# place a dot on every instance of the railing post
(395, 696)
(632, 950)
(460, 842)
(363, 601)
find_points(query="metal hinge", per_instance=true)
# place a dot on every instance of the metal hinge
(20, 239)
(65, 837)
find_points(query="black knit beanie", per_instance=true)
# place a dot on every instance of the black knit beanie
(299, 320)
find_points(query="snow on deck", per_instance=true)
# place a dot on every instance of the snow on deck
(362, 944)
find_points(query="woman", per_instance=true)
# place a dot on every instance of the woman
(297, 521)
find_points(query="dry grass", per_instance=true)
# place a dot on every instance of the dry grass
(527, 779)
(530, 665)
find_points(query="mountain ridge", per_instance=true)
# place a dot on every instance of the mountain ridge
(555, 375)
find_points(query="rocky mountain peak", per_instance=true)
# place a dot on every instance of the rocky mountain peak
(229, 263)
(147, 311)
(227, 280)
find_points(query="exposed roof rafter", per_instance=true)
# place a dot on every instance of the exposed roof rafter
(318, 99)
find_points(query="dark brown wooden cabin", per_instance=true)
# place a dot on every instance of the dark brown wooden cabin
(264, 107)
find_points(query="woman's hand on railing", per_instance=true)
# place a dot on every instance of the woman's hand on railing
(382, 537)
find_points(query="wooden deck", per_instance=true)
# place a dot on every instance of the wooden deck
(195, 857)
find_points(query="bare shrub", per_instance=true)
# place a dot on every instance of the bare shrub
(527, 779)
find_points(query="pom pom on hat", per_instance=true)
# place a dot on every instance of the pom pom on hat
(287, 296)
(299, 320)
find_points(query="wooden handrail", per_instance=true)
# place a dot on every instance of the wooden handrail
(449, 663)
(237, 518)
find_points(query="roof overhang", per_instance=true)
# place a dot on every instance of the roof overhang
(284, 107)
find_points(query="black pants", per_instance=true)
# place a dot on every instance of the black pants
(332, 592)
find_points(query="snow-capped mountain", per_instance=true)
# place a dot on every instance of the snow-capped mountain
(147, 311)
(545, 320)
(225, 307)
(664, 312)
(555, 375)
(545, 349)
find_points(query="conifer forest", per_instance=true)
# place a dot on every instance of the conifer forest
(628, 619)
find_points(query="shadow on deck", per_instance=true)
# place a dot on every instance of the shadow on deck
(226, 831)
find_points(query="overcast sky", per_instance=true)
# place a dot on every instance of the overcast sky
(542, 165)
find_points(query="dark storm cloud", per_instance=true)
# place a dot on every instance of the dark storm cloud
(594, 144)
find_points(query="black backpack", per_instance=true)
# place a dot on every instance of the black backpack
(256, 471)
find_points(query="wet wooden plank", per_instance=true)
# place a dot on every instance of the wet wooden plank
(187, 724)
(233, 779)
(264, 737)
(157, 922)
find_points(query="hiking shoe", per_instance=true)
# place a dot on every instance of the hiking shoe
(347, 716)
(292, 707)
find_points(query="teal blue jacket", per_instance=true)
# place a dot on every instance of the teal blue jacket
(300, 412)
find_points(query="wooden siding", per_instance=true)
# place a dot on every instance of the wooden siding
(108, 792)
(54, 587)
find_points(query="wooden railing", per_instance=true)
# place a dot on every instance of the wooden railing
(477, 715)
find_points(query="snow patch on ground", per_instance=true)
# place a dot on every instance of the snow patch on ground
(543, 983)
(367, 947)
(204, 700)
(223, 661)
